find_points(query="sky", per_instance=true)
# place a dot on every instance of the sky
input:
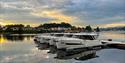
(103, 13)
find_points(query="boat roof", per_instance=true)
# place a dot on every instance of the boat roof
(86, 34)
(83, 33)
(66, 38)
(60, 33)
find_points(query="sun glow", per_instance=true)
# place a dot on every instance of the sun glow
(8, 22)
(2, 23)
(5, 22)
(2, 40)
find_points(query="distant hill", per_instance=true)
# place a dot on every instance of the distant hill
(113, 29)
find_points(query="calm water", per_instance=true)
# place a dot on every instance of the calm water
(22, 49)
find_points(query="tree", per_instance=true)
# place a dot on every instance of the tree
(55, 25)
(20, 31)
(88, 29)
(97, 29)
(17, 26)
(65, 25)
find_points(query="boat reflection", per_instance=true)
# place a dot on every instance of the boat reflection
(78, 54)
(89, 56)
(82, 55)
(42, 46)
(52, 49)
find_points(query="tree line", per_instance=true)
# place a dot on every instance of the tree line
(52, 25)
(43, 28)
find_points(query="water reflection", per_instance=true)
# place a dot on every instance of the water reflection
(42, 46)
(116, 36)
(23, 50)
(52, 49)
(83, 55)
(87, 56)
(80, 54)
(17, 38)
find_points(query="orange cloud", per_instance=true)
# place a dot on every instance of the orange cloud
(5, 22)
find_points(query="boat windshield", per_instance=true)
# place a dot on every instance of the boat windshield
(68, 35)
(51, 34)
(85, 37)
(59, 35)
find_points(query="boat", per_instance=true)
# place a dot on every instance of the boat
(86, 36)
(78, 40)
(53, 41)
(41, 38)
(69, 40)
(70, 35)
(46, 38)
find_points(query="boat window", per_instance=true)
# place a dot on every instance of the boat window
(73, 44)
(51, 34)
(68, 35)
(59, 35)
(90, 37)
(76, 36)
(85, 37)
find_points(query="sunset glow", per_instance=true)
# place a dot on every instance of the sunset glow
(2, 40)
(57, 15)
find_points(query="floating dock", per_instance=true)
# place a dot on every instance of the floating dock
(114, 44)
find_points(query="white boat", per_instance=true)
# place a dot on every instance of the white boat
(47, 38)
(86, 36)
(42, 38)
(53, 41)
(69, 40)
(63, 43)
(69, 35)
(79, 40)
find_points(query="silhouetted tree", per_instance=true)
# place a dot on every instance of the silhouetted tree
(97, 29)
(65, 25)
(88, 29)
(52, 25)
(17, 26)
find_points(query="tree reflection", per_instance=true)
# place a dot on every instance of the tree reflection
(17, 37)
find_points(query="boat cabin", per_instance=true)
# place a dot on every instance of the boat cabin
(86, 36)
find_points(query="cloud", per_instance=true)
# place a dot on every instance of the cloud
(57, 15)
(76, 12)
(96, 9)
(22, 5)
